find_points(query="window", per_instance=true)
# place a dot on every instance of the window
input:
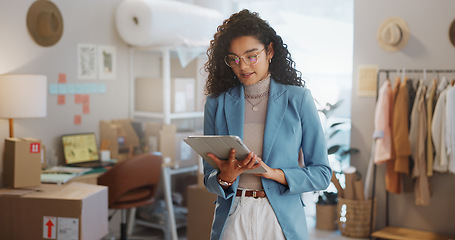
(319, 35)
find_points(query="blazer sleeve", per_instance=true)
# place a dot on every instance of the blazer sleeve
(211, 174)
(316, 174)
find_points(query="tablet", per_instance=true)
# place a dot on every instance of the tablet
(220, 145)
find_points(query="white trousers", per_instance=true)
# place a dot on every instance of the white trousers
(252, 219)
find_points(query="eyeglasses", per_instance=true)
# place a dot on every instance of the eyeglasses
(250, 59)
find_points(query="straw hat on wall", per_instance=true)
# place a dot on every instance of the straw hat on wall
(452, 33)
(393, 34)
(44, 23)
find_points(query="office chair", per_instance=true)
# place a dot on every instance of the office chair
(132, 183)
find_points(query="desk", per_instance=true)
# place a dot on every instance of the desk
(64, 174)
(90, 177)
(87, 178)
(170, 229)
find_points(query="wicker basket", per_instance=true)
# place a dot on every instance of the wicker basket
(326, 217)
(354, 217)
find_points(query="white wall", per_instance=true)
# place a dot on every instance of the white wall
(85, 21)
(88, 22)
(428, 47)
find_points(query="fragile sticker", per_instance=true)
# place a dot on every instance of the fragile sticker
(35, 147)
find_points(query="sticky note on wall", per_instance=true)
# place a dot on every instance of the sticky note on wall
(61, 78)
(77, 119)
(61, 99)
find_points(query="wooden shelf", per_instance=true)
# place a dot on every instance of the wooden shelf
(165, 116)
(397, 233)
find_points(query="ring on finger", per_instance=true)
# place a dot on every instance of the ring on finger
(240, 166)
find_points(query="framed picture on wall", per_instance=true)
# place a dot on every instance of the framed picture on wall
(107, 62)
(86, 61)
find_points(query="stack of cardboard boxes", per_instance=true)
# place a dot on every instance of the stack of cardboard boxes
(31, 210)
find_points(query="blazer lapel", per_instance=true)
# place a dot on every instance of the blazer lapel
(234, 110)
(276, 109)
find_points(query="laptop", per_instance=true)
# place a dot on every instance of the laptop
(81, 150)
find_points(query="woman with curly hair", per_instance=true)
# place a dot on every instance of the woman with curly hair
(255, 92)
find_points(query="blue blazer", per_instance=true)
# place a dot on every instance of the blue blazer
(292, 123)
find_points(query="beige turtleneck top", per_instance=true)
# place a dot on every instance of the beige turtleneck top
(256, 98)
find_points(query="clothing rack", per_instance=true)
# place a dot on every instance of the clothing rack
(403, 71)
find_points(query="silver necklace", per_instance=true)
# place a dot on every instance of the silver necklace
(257, 96)
(261, 96)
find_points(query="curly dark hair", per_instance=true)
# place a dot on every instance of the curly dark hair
(246, 23)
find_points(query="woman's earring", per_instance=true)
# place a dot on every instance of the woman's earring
(270, 60)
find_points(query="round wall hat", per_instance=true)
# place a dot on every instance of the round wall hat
(452, 33)
(393, 34)
(44, 23)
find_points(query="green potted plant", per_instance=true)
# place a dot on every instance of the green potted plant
(339, 152)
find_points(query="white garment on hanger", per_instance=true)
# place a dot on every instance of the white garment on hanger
(450, 127)
(438, 130)
(441, 86)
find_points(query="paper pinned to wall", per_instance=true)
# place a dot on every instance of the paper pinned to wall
(366, 80)
(147, 23)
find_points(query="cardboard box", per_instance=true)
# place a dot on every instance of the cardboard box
(70, 211)
(185, 156)
(149, 95)
(22, 163)
(200, 180)
(183, 95)
(200, 212)
(160, 137)
(164, 138)
(120, 138)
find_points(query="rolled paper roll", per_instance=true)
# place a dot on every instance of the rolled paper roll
(350, 176)
(140, 23)
(358, 189)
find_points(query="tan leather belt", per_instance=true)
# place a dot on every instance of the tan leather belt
(252, 193)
